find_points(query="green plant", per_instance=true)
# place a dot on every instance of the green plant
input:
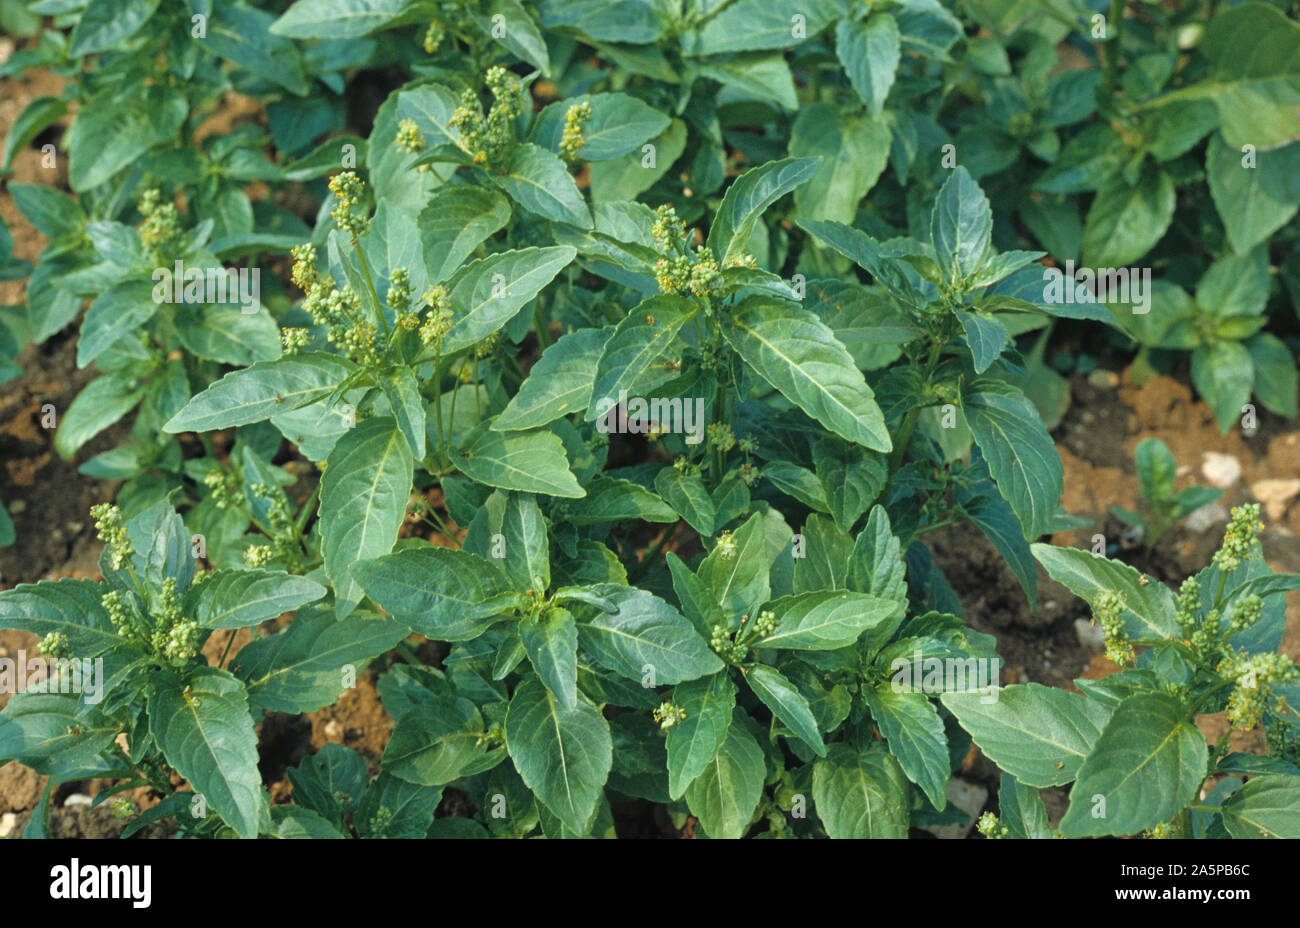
(632, 355)
(1129, 744)
(1163, 507)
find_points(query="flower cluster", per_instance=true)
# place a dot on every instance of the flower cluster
(433, 37)
(294, 340)
(55, 645)
(437, 323)
(339, 312)
(1255, 675)
(162, 224)
(223, 487)
(574, 137)
(669, 714)
(399, 290)
(303, 273)
(720, 437)
(170, 637)
(766, 624)
(680, 270)
(409, 138)
(349, 213)
(1239, 538)
(488, 140)
(283, 547)
(111, 531)
(989, 826)
(726, 546)
(727, 647)
(1108, 610)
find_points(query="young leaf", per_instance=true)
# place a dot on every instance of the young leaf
(726, 793)
(961, 225)
(564, 755)
(551, 643)
(646, 639)
(263, 390)
(362, 502)
(748, 196)
(694, 741)
(787, 704)
(860, 794)
(238, 598)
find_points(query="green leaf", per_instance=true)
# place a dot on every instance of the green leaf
(1223, 373)
(113, 314)
(739, 581)
(52, 212)
(876, 566)
(640, 339)
(307, 665)
(339, 19)
(114, 128)
(986, 337)
(726, 793)
(787, 704)
(538, 181)
(563, 755)
(204, 730)
(688, 495)
(35, 118)
(402, 389)
(363, 499)
(551, 643)
(1038, 734)
(1125, 221)
(487, 293)
(1253, 201)
(240, 34)
(824, 620)
(224, 333)
(559, 384)
(911, 724)
(961, 225)
(263, 390)
(612, 499)
(436, 743)
(107, 23)
(1021, 810)
(1148, 610)
(1276, 379)
(851, 478)
(694, 741)
(456, 220)
(407, 809)
(441, 593)
(870, 53)
(618, 125)
(238, 598)
(748, 196)
(797, 354)
(854, 150)
(1266, 807)
(1157, 470)
(105, 400)
(531, 462)
(37, 730)
(860, 794)
(520, 33)
(645, 639)
(760, 24)
(1021, 455)
(627, 177)
(1146, 767)
(523, 527)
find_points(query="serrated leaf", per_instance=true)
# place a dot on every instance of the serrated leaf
(645, 639)
(538, 181)
(688, 495)
(441, 593)
(238, 598)
(487, 293)
(530, 462)
(641, 338)
(748, 196)
(787, 704)
(1038, 734)
(204, 730)
(1148, 610)
(363, 501)
(1145, 767)
(911, 724)
(265, 389)
(1266, 807)
(726, 793)
(559, 384)
(797, 354)
(694, 741)
(455, 221)
(551, 643)
(860, 794)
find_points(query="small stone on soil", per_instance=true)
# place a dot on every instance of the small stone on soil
(1100, 379)
(1222, 470)
(8, 824)
(1276, 495)
(76, 799)
(1205, 518)
(1090, 636)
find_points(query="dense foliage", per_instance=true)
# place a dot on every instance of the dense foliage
(762, 284)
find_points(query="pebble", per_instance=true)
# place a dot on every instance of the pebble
(1090, 636)
(1205, 518)
(334, 731)
(1276, 494)
(8, 824)
(970, 798)
(76, 799)
(1102, 379)
(1222, 470)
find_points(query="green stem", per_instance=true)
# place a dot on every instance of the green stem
(437, 406)
(374, 294)
(913, 414)
(226, 652)
(1115, 20)
(305, 512)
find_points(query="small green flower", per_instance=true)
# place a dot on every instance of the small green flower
(294, 340)
(111, 531)
(433, 37)
(668, 714)
(55, 644)
(1239, 538)
(409, 138)
(726, 546)
(574, 137)
(720, 437)
(348, 212)
(399, 290)
(989, 826)
(1108, 610)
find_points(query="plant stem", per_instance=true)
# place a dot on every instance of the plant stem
(374, 294)
(909, 421)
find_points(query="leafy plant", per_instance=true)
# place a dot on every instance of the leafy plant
(1163, 507)
(631, 355)
(1129, 744)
